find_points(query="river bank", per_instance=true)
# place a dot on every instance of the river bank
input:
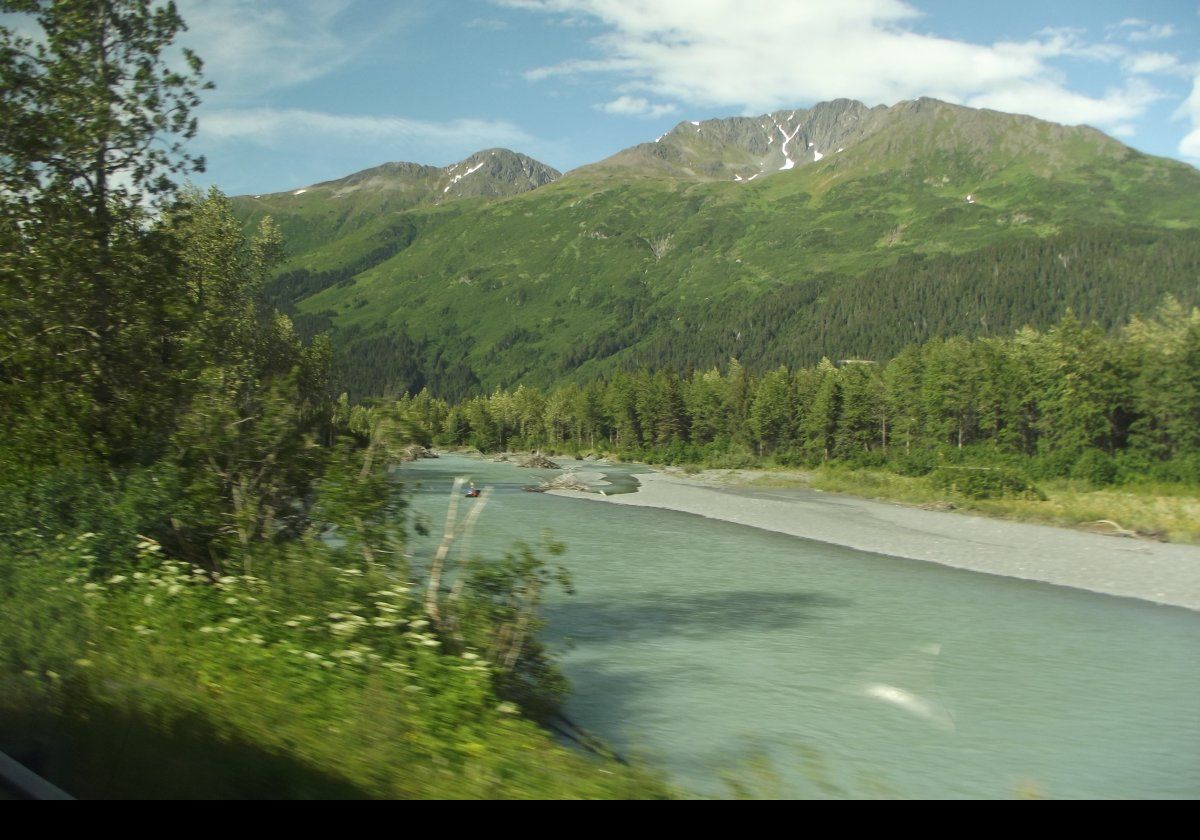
(1162, 573)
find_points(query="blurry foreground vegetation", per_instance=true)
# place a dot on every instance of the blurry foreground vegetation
(176, 619)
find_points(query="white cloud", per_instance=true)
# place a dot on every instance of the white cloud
(274, 127)
(636, 106)
(487, 23)
(1189, 146)
(757, 55)
(1114, 110)
(582, 65)
(1137, 30)
(253, 46)
(1155, 63)
(1069, 41)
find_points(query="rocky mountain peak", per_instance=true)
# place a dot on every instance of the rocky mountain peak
(496, 172)
(743, 149)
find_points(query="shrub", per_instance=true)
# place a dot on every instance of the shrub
(1058, 464)
(1182, 470)
(792, 458)
(985, 483)
(1095, 467)
(733, 461)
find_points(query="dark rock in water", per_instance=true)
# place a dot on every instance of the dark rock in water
(566, 481)
(416, 452)
(540, 463)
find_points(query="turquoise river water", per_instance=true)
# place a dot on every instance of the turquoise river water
(733, 658)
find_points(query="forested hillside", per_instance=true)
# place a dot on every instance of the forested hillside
(1069, 399)
(1109, 420)
(897, 225)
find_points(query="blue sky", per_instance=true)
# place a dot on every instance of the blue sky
(309, 90)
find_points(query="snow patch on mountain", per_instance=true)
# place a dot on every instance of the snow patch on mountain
(787, 138)
(458, 178)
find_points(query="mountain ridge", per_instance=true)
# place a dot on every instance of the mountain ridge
(745, 148)
(659, 255)
(352, 207)
(498, 167)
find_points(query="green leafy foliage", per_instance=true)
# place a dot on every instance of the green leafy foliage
(313, 679)
(1071, 401)
(204, 585)
(498, 614)
(985, 483)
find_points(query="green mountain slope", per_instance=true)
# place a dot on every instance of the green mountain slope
(348, 212)
(917, 220)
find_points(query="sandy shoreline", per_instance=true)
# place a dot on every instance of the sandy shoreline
(1163, 573)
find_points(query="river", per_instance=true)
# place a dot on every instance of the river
(736, 659)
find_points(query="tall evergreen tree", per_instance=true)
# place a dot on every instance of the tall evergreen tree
(95, 119)
(772, 412)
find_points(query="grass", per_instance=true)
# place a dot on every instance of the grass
(1164, 511)
(1170, 513)
(312, 682)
